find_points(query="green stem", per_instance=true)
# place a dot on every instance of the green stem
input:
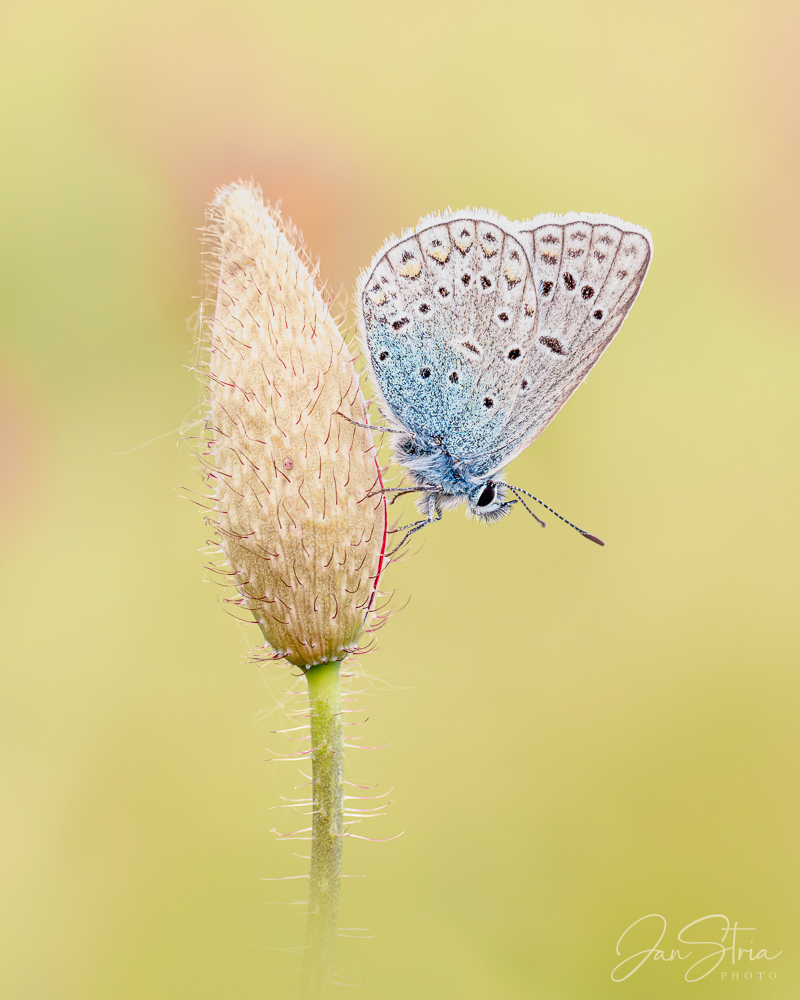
(327, 829)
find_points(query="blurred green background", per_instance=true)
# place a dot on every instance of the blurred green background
(578, 737)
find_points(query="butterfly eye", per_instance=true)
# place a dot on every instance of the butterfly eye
(383, 355)
(487, 496)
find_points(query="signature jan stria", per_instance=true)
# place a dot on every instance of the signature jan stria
(714, 940)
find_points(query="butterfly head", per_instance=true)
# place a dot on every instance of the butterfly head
(487, 501)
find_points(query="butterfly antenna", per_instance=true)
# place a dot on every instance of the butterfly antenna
(516, 490)
(534, 516)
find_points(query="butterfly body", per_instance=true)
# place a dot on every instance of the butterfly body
(477, 331)
(446, 481)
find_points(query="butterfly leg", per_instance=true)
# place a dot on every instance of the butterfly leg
(370, 427)
(434, 514)
(398, 491)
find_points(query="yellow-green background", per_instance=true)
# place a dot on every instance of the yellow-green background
(579, 737)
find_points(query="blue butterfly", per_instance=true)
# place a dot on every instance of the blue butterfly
(477, 331)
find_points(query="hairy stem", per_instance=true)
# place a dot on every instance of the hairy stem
(325, 700)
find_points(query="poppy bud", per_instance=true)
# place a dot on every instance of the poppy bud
(296, 510)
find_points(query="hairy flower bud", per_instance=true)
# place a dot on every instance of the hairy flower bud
(298, 508)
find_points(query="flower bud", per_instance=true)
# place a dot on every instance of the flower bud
(297, 502)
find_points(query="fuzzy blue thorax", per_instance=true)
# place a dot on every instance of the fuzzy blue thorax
(430, 464)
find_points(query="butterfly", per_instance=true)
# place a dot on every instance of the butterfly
(478, 329)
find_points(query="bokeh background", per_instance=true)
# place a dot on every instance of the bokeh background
(576, 737)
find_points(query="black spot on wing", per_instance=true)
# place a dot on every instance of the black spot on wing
(553, 343)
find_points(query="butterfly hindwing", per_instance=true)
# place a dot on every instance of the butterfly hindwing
(587, 270)
(447, 313)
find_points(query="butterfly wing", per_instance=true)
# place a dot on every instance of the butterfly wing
(447, 313)
(587, 271)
